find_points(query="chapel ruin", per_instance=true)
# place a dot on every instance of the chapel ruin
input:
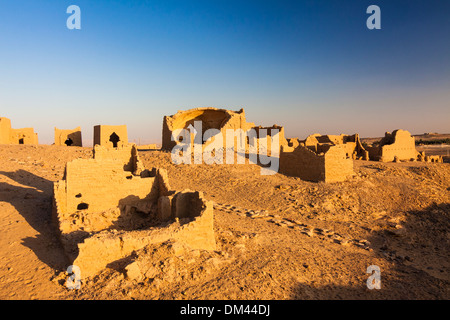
(109, 206)
(9, 135)
(316, 162)
(110, 136)
(352, 144)
(214, 118)
(70, 138)
(398, 145)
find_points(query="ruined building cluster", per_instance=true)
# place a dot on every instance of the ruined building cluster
(111, 205)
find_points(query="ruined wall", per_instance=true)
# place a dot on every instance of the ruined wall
(101, 185)
(338, 167)
(23, 136)
(211, 118)
(110, 136)
(65, 137)
(194, 230)
(262, 144)
(104, 211)
(222, 120)
(5, 130)
(125, 154)
(16, 136)
(302, 162)
(197, 232)
(398, 144)
(351, 143)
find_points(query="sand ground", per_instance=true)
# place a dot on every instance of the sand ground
(278, 237)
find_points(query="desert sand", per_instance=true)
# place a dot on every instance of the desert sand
(278, 237)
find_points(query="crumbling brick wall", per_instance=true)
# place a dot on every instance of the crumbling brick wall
(223, 120)
(65, 137)
(352, 144)
(302, 162)
(396, 145)
(16, 136)
(93, 186)
(195, 231)
(23, 136)
(125, 154)
(338, 167)
(211, 118)
(108, 206)
(5, 130)
(110, 136)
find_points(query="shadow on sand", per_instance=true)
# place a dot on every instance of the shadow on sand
(33, 200)
(419, 255)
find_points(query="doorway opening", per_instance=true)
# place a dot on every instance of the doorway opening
(69, 142)
(114, 138)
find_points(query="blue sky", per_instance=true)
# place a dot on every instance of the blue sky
(311, 66)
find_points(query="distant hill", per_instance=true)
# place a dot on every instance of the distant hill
(426, 138)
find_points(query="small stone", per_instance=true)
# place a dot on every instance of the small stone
(133, 271)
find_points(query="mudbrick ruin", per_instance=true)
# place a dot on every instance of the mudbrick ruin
(9, 135)
(213, 118)
(65, 137)
(110, 206)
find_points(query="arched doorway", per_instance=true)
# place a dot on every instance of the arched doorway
(69, 142)
(114, 138)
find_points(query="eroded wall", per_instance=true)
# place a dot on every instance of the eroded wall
(330, 166)
(351, 143)
(223, 121)
(9, 135)
(196, 231)
(110, 205)
(65, 137)
(396, 145)
(211, 118)
(110, 136)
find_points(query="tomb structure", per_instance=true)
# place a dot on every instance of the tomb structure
(9, 135)
(108, 206)
(70, 138)
(110, 136)
(219, 119)
(398, 145)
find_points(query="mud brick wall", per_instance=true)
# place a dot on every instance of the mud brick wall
(96, 252)
(101, 185)
(304, 163)
(5, 130)
(16, 136)
(62, 135)
(23, 136)
(125, 154)
(337, 166)
(220, 119)
(102, 135)
(398, 144)
(403, 147)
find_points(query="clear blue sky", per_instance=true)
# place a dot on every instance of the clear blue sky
(311, 66)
